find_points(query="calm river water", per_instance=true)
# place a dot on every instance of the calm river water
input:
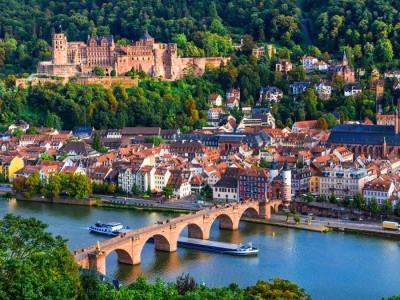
(329, 266)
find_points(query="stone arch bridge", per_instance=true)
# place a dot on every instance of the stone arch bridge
(128, 246)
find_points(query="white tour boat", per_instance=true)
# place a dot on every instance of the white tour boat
(112, 228)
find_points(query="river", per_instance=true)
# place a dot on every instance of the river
(329, 266)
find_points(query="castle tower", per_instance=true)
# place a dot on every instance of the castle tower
(59, 50)
(287, 182)
(397, 121)
(273, 170)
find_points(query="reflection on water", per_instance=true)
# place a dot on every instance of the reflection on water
(328, 266)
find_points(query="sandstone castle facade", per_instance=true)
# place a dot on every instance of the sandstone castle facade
(156, 59)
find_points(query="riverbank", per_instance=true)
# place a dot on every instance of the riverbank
(311, 227)
(327, 228)
(377, 233)
(144, 208)
(61, 200)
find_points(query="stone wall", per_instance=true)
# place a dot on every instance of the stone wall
(107, 82)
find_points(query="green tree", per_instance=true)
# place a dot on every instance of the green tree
(98, 71)
(79, 186)
(397, 209)
(297, 73)
(322, 198)
(217, 27)
(387, 206)
(54, 186)
(332, 199)
(277, 288)
(46, 156)
(168, 191)
(113, 73)
(346, 201)
(96, 144)
(296, 219)
(17, 132)
(33, 183)
(185, 284)
(263, 163)
(359, 201)
(135, 190)
(287, 214)
(384, 51)
(34, 264)
(155, 140)
(373, 205)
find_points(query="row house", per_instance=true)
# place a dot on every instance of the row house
(304, 126)
(323, 90)
(253, 184)
(78, 149)
(269, 94)
(142, 177)
(213, 115)
(379, 189)
(300, 180)
(299, 87)
(309, 62)
(233, 93)
(343, 154)
(283, 66)
(188, 149)
(161, 178)
(344, 182)
(214, 100)
(99, 174)
(226, 190)
(352, 89)
(180, 185)
(386, 119)
(9, 165)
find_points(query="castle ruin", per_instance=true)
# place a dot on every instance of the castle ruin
(155, 59)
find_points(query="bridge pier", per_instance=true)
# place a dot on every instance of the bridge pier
(97, 261)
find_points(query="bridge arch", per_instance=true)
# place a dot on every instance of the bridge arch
(250, 212)
(161, 243)
(123, 256)
(225, 222)
(194, 231)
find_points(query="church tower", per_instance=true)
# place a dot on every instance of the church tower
(60, 50)
(287, 182)
(344, 61)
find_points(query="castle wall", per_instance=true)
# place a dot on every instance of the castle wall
(107, 82)
(65, 70)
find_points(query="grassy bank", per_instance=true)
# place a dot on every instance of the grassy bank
(144, 208)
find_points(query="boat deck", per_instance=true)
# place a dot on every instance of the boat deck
(207, 243)
(211, 246)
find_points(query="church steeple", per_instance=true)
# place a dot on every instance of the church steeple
(344, 61)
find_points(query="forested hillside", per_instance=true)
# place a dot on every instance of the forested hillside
(370, 27)
(26, 25)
